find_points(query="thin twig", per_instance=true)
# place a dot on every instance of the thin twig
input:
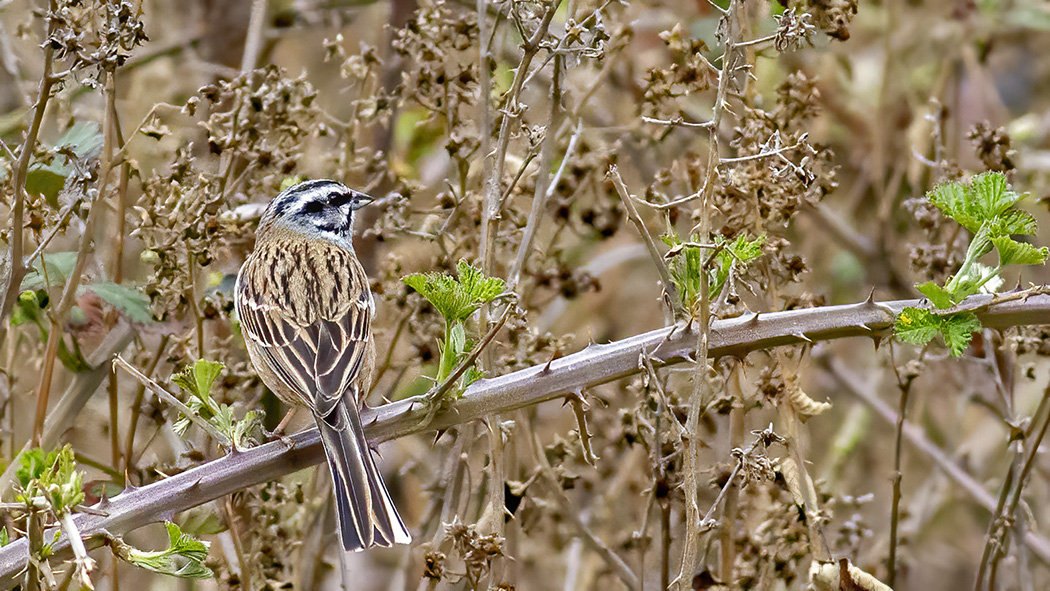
(701, 386)
(763, 154)
(679, 122)
(665, 274)
(1007, 518)
(17, 240)
(491, 205)
(543, 181)
(136, 405)
(84, 563)
(617, 564)
(171, 399)
(254, 38)
(61, 311)
(904, 385)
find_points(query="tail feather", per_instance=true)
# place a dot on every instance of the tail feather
(366, 514)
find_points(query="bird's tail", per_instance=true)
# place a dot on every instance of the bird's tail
(366, 514)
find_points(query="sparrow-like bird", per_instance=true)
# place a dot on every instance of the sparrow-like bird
(306, 311)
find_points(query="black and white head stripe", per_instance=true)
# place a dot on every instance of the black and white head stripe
(321, 206)
(319, 192)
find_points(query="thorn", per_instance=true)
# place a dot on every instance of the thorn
(877, 340)
(803, 337)
(128, 486)
(576, 396)
(870, 301)
(438, 435)
(753, 319)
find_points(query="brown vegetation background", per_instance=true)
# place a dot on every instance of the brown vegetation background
(819, 125)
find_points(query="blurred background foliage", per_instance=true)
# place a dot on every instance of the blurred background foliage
(169, 124)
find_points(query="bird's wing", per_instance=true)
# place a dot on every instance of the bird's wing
(319, 360)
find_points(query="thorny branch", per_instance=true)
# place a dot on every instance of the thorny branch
(597, 364)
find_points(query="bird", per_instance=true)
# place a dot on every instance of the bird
(306, 308)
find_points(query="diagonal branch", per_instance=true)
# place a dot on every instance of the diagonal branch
(597, 364)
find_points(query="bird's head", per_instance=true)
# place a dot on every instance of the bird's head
(321, 208)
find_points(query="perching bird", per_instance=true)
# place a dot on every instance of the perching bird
(306, 311)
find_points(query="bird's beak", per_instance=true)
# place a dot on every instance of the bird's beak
(361, 200)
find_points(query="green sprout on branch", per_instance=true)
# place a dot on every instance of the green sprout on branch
(51, 475)
(688, 261)
(197, 381)
(985, 207)
(184, 557)
(456, 298)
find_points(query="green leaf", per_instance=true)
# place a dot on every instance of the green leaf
(992, 195)
(685, 268)
(982, 200)
(63, 482)
(5, 538)
(917, 326)
(736, 253)
(482, 289)
(950, 198)
(747, 250)
(472, 375)
(128, 300)
(958, 330)
(44, 180)
(202, 520)
(198, 379)
(32, 464)
(240, 431)
(940, 297)
(52, 474)
(184, 557)
(82, 141)
(1014, 222)
(456, 300)
(1012, 252)
(49, 270)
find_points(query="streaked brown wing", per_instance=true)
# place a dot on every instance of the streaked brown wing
(316, 357)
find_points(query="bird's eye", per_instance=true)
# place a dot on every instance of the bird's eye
(338, 199)
(313, 207)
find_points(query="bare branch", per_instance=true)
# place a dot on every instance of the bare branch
(597, 364)
(658, 260)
